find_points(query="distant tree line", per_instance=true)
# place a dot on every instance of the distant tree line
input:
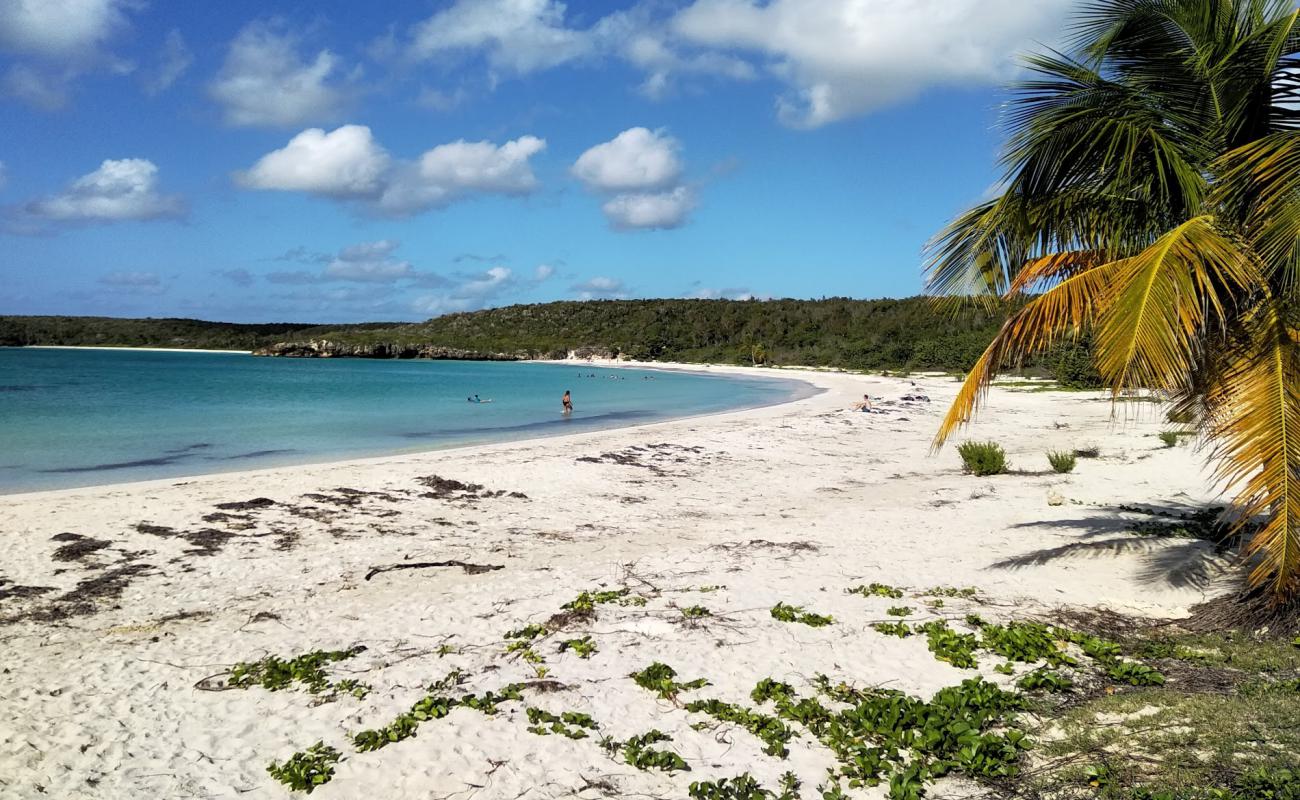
(903, 334)
(18, 331)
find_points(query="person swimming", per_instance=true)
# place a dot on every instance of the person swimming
(567, 402)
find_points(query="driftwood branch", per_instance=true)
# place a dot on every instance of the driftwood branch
(472, 569)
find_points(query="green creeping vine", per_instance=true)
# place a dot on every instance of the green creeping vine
(877, 590)
(787, 613)
(899, 629)
(273, 673)
(695, 612)
(957, 649)
(659, 678)
(1026, 642)
(638, 753)
(304, 771)
(899, 611)
(960, 592)
(773, 733)
(586, 602)
(584, 647)
(1045, 679)
(572, 724)
(744, 787)
(1134, 673)
(885, 735)
(431, 706)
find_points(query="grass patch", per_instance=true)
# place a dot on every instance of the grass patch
(982, 458)
(1062, 462)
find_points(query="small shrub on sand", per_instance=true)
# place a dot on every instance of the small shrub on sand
(1088, 451)
(982, 458)
(1170, 438)
(1062, 461)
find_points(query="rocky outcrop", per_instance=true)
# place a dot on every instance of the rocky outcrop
(323, 348)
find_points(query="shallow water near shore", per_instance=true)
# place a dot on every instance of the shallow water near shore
(86, 417)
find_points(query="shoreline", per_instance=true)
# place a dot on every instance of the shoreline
(738, 371)
(135, 597)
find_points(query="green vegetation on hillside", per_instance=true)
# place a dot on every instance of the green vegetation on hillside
(837, 332)
(907, 334)
(184, 333)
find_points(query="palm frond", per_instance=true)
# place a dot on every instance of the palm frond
(1061, 312)
(1256, 423)
(1149, 322)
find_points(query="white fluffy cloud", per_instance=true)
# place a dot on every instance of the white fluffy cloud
(600, 287)
(517, 36)
(640, 172)
(653, 210)
(838, 58)
(125, 189)
(346, 162)
(264, 80)
(848, 57)
(349, 164)
(55, 42)
(60, 29)
(636, 159)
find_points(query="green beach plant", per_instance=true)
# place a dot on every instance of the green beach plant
(877, 590)
(1062, 461)
(305, 771)
(982, 458)
(789, 613)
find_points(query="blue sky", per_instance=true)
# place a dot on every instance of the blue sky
(332, 161)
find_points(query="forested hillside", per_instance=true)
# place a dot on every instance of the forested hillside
(909, 333)
(185, 333)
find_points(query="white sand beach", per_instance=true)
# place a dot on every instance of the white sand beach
(109, 639)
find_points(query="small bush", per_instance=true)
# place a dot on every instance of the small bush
(1088, 451)
(1062, 462)
(1170, 438)
(982, 458)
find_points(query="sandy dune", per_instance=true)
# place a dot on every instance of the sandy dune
(106, 636)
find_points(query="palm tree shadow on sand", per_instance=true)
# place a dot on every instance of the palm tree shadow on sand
(1181, 546)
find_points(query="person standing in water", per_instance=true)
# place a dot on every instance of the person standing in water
(567, 402)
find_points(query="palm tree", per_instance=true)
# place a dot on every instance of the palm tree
(1152, 201)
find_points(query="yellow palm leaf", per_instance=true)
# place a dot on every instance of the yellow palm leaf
(1256, 421)
(1063, 310)
(1150, 319)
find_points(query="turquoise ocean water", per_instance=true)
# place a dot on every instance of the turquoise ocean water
(85, 417)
